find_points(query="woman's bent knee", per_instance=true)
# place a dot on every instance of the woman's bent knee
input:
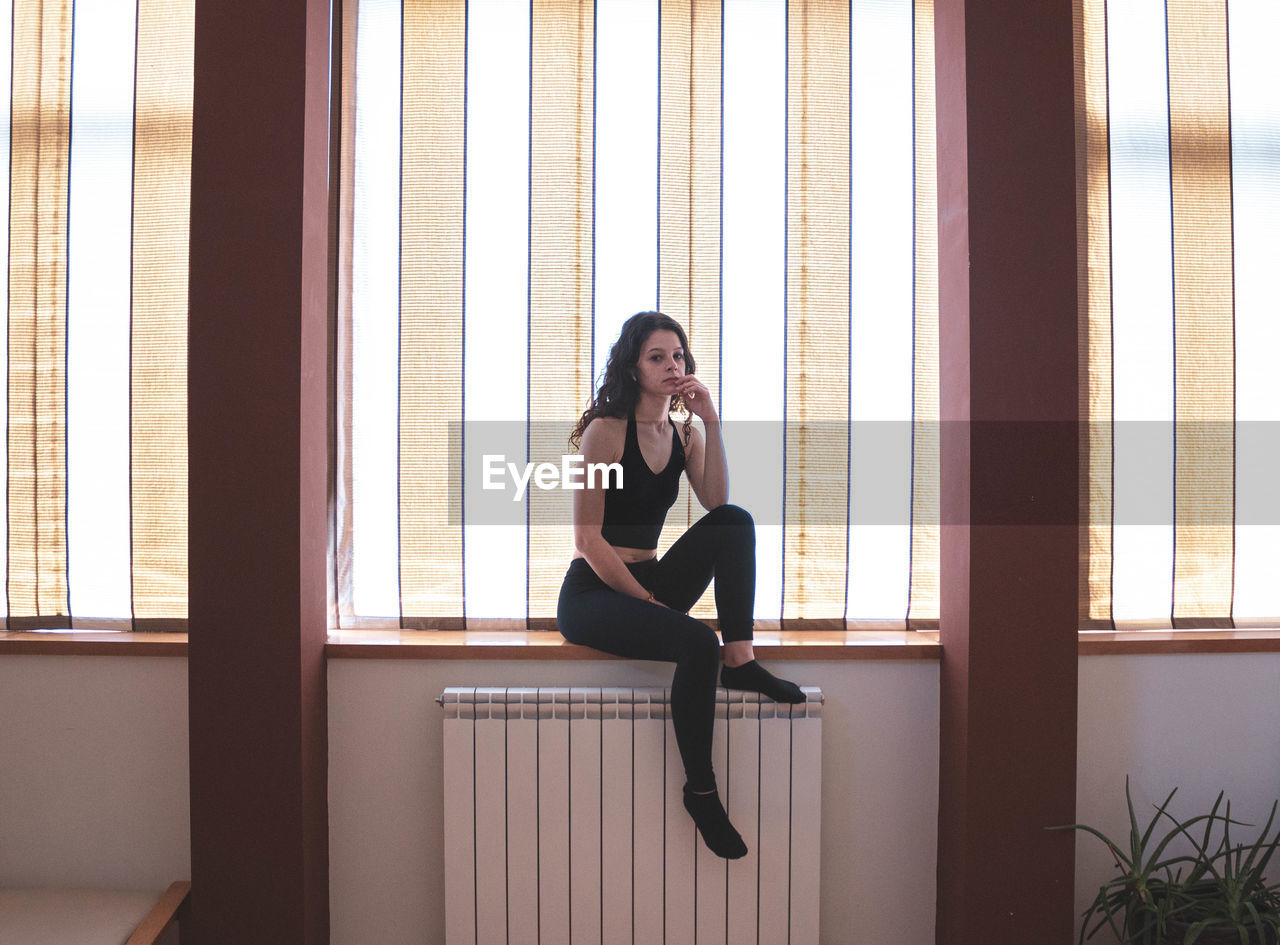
(736, 522)
(702, 647)
(734, 515)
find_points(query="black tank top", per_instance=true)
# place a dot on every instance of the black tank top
(634, 514)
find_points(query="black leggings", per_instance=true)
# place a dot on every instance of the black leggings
(721, 544)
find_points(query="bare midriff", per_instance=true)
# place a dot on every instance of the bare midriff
(629, 555)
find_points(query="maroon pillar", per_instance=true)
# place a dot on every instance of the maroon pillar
(1007, 268)
(257, 413)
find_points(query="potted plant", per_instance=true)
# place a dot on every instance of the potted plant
(1218, 894)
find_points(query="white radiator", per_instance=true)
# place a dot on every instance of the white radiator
(564, 821)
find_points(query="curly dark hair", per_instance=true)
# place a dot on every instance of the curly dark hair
(619, 389)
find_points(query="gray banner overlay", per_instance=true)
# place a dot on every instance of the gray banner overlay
(861, 473)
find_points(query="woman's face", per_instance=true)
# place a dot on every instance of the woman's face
(661, 362)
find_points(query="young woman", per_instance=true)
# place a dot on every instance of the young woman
(619, 597)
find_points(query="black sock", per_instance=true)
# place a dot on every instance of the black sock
(713, 823)
(756, 678)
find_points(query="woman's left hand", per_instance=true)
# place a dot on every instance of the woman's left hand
(696, 397)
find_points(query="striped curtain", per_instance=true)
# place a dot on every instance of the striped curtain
(1180, 319)
(520, 176)
(98, 200)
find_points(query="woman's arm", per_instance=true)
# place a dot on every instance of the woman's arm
(588, 517)
(705, 462)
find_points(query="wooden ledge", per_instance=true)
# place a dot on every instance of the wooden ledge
(1103, 643)
(484, 645)
(85, 643)
(547, 644)
(58, 915)
(162, 913)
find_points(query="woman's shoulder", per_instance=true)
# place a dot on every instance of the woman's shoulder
(607, 424)
(605, 435)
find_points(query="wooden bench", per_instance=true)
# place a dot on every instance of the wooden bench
(90, 916)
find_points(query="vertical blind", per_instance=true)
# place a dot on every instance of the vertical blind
(1180, 323)
(98, 195)
(520, 176)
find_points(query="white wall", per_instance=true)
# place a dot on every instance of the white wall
(94, 785)
(1202, 724)
(93, 771)
(879, 791)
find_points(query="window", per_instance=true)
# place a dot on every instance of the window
(522, 175)
(1182, 209)
(98, 195)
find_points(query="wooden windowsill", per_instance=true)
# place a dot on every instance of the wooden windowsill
(544, 644)
(517, 645)
(491, 645)
(87, 643)
(1101, 643)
